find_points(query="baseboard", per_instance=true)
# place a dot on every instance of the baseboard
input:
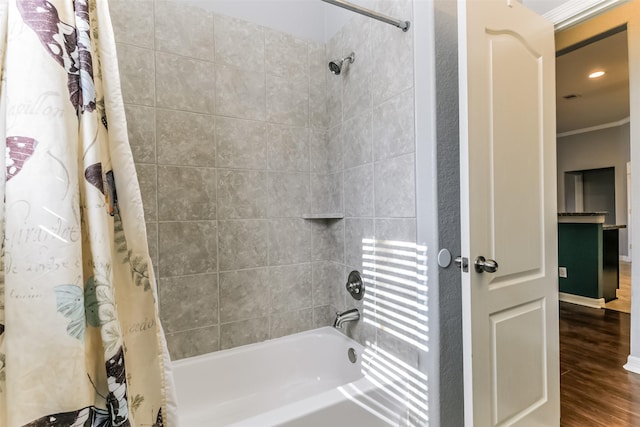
(633, 364)
(624, 258)
(580, 300)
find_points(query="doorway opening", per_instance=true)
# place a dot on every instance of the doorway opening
(594, 151)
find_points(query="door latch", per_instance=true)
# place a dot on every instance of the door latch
(462, 263)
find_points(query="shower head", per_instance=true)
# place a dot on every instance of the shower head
(335, 66)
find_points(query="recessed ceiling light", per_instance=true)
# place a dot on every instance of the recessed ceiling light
(596, 74)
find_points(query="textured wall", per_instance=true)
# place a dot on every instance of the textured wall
(449, 280)
(226, 121)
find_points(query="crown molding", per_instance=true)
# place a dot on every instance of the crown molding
(595, 128)
(575, 11)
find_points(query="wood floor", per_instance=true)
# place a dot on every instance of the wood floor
(596, 391)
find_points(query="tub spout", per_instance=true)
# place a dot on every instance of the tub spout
(346, 316)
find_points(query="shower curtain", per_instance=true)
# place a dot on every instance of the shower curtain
(80, 339)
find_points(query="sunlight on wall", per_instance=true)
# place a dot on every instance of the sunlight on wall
(395, 302)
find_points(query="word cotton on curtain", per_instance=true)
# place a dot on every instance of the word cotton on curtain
(80, 339)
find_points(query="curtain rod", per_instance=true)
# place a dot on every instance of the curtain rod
(403, 25)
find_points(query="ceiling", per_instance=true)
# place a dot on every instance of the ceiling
(599, 101)
(543, 6)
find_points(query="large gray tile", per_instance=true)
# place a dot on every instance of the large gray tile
(392, 53)
(318, 151)
(288, 194)
(393, 127)
(242, 194)
(184, 30)
(244, 295)
(334, 51)
(291, 322)
(193, 343)
(290, 287)
(147, 178)
(317, 58)
(289, 241)
(241, 144)
(242, 244)
(318, 104)
(188, 302)
(323, 316)
(398, 347)
(244, 332)
(187, 248)
(285, 55)
(186, 193)
(325, 150)
(288, 148)
(358, 191)
(318, 114)
(152, 243)
(357, 81)
(132, 22)
(240, 93)
(288, 100)
(137, 71)
(395, 187)
(184, 84)
(185, 139)
(327, 241)
(334, 100)
(329, 285)
(357, 140)
(356, 229)
(398, 229)
(141, 130)
(239, 43)
(326, 193)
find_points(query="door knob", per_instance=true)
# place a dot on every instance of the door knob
(481, 265)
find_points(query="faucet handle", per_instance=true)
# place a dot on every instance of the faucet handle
(355, 285)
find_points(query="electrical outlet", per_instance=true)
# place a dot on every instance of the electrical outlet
(562, 271)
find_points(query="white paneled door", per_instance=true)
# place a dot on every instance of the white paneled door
(508, 191)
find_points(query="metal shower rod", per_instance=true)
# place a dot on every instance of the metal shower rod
(403, 25)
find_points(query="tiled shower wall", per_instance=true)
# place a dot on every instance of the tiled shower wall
(371, 113)
(237, 131)
(227, 121)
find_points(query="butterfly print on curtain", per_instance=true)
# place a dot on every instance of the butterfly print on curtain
(68, 45)
(93, 174)
(18, 150)
(117, 412)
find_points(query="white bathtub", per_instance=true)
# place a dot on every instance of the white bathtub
(302, 380)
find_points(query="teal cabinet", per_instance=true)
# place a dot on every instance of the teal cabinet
(589, 252)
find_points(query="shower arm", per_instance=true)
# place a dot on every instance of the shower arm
(403, 25)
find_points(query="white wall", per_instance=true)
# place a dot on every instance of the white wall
(595, 150)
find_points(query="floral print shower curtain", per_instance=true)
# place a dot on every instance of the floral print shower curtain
(80, 339)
